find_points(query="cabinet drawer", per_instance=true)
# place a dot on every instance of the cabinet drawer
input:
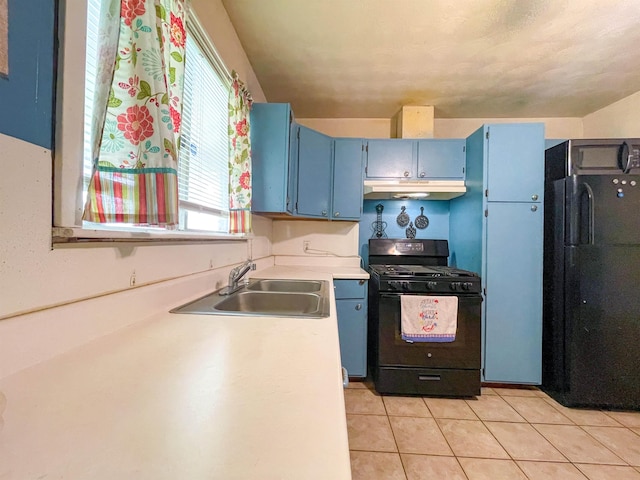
(350, 288)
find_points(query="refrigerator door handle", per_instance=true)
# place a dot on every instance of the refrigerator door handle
(591, 215)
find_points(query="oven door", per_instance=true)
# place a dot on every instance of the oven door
(462, 353)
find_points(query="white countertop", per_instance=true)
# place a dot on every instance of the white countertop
(186, 397)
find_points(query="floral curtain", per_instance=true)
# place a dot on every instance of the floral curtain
(239, 158)
(134, 178)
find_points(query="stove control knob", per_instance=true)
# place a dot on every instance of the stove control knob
(405, 286)
(454, 285)
(467, 285)
(431, 285)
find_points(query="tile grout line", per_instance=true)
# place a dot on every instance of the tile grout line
(445, 439)
(581, 427)
(393, 434)
(539, 433)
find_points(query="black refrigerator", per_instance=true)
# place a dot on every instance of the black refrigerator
(591, 292)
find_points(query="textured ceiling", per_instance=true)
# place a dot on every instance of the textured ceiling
(468, 58)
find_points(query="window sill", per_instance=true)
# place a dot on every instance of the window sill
(74, 235)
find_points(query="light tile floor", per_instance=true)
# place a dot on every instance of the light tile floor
(506, 433)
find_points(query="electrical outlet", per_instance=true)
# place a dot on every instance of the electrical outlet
(305, 245)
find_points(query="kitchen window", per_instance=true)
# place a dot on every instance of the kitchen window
(202, 167)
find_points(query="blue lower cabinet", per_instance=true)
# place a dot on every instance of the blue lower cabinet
(351, 304)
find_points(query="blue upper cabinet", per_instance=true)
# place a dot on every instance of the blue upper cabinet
(347, 179)
(391, 158)
(441, 159)
(314, 173)
(515, 154)
(273, 158)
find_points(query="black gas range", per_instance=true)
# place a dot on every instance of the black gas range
(401, 267)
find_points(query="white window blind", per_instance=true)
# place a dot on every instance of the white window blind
(203, 174)
(93, 27)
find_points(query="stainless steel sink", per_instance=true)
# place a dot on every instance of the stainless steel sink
(305, 298)
(273, 303)
(272, 285)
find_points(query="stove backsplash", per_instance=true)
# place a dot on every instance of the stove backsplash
(436, 212)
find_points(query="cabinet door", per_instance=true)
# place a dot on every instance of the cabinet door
(392, 158)
(513, 303)
(314, 173)
(352, 331)
(515, 162)
(271, 124)
(347, 179)
(441, 159)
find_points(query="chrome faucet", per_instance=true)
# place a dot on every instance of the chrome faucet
(235, 275)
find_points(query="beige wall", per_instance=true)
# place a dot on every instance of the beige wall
(618, 120)
(33, 276)
(349, 127)
(336, 238)
(443, 127)
(463, 127)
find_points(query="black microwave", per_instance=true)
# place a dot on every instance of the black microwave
(599, 156)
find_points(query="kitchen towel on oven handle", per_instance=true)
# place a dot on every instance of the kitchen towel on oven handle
(428, 318)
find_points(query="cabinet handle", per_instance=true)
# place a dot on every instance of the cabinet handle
(337, 214)
(361, 282)
(324, 213)
(406, 174)
(359, 306)
(534, 208)
(422, 174)
(534, 197)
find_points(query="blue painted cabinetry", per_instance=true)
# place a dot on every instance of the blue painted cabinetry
(441, 159)
(430, 159)
(300, 172)
(274, 159)
(515, 163)
(351, 304)
(513, 303)
(391, 158)
(346, 197)
(496, 229)
(314, 173)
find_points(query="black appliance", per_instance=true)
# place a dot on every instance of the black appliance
(591, 321)
(419, 267)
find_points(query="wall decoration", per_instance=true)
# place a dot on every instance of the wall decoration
(4, 38)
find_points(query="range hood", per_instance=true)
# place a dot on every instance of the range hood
(414, 190)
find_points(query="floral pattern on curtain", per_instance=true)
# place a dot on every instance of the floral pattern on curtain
(134, 178)
(239, 157)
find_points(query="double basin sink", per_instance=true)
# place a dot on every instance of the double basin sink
(267, 297)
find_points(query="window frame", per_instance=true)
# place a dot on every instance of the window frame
(67, 225)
